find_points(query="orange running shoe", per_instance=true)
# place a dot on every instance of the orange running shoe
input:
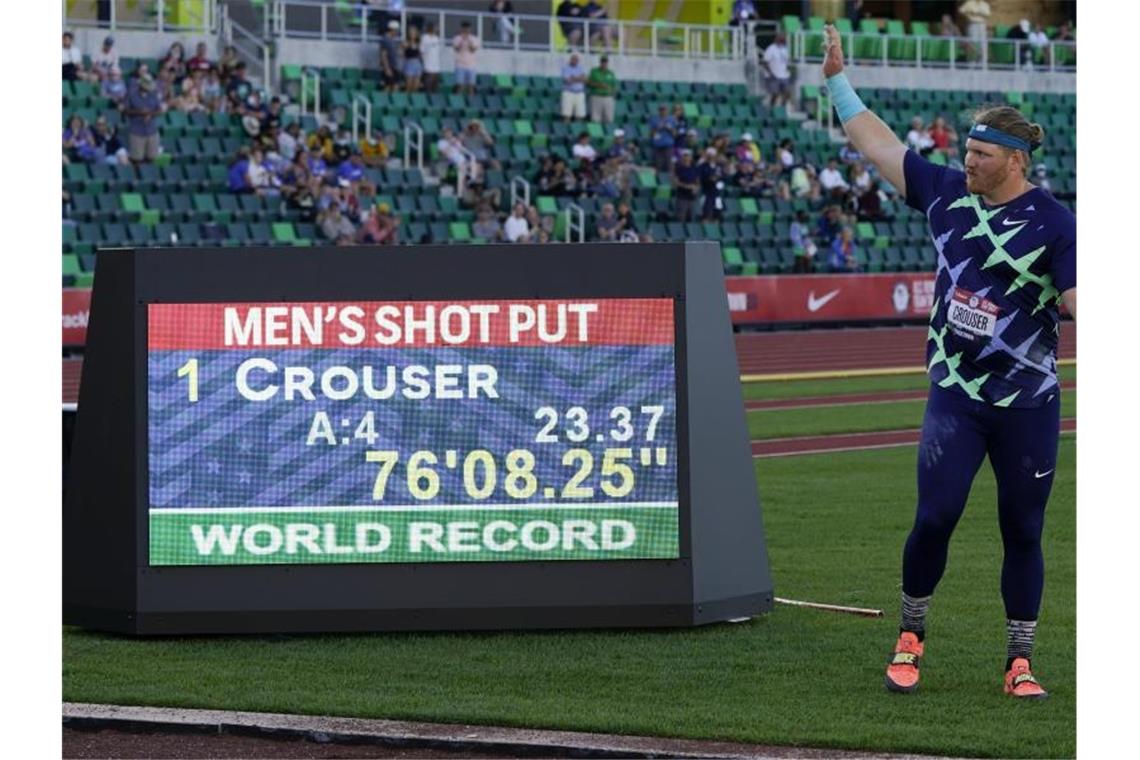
(1020, 683)
(902, 670)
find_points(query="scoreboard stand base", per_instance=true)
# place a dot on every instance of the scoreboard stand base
(143, 456)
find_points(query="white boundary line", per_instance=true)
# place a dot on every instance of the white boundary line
(850, 448)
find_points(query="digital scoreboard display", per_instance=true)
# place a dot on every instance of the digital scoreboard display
(411, 431)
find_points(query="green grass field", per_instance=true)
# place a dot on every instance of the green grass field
(835, 526)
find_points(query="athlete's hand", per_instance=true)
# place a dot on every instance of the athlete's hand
(832, 52)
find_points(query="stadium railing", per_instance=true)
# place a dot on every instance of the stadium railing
(156, 16)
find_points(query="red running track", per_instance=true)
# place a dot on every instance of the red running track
(817, 444)
(783, 352)
(852, 348)
(881, 397)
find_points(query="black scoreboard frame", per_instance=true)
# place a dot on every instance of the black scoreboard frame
(722, 572)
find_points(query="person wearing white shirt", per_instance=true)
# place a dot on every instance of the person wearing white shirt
(1038, 41)
(516, 229)
(105, 60)
(831, 180)
(431, 46)
(918, 138)
(583, 149)
(779, 76)
(72, 59)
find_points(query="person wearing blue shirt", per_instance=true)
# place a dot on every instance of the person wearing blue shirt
(844, 253)
(1007, 258)
(663, 129)
(573, 90)
(143, 107)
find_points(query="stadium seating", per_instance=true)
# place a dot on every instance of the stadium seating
(183, 199)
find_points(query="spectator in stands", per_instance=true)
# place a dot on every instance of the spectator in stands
(391, 54)
(189, 100)
(353, 171)
(72, 60)
(466, 46)
(775, 61)
(259, 177)
(114, 87)
(1038, 42)
(237, 175)
(79, 143)
(680, 121)
(573, 90)
(663, 131)
(228, 64)
(288, 140)
(516, 229)
(748, 179)
(342, 146)
(832, 182)
(478, 141)
(620, 149)
(786, 154)
(686, 185)
(869, 204)
(582, 149)
(374, 150)
(107, 141)
(336, 226)
(413, 60)
(317, 165)
(712, 185)
(477, 196)
(602, 85)
(747, 149)
(431, 45)
(105, 60)
(626, 223)
(562, 180)
(380, 227)
(143, 107)
(298, 185)
(947, 28)
(200, 61)
(829, 226)
(977, 13)
(213, 92)
(943, 137)
(608, 226)
(844, 252)
(918, 138)
(799, 233)
(743, 12)
(174, 61)
(849, 154)
(540, 226)
(570, 13)
(804, 184)
(858, 177)
(451, 148)
(487, 226)
(505, 23)
(238, 88)
(601, 30)
(1019, 33)
(321, 143)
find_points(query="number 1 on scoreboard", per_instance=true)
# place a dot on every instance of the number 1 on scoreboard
(190, 370)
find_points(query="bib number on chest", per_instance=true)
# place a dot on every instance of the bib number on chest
(972, 314)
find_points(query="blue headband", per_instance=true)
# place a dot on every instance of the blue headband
(989, 134)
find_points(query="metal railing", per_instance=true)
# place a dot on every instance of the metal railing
(199, 16)
(414, 135)
(520, 188)
(993, 53)
(311, 19)
(250, 48)
(310, 90)
(574, 211)
(361, 112)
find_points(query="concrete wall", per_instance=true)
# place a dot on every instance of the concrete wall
(314, 52)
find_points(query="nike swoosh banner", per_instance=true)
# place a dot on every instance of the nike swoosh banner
(823, 298)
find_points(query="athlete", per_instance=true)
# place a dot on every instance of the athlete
(1007, 256)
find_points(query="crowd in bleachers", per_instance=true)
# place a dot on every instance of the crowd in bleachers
(206, 158)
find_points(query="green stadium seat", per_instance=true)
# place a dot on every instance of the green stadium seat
(283, 232)
(459, 232)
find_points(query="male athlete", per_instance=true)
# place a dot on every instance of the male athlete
(1007, 254)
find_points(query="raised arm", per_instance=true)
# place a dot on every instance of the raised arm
(874, 139)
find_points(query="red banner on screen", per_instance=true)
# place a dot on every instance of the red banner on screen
(76, 307)
(410, 324)
(828, 298)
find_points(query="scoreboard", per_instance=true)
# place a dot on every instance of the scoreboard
(485, 431)
(411, 438)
